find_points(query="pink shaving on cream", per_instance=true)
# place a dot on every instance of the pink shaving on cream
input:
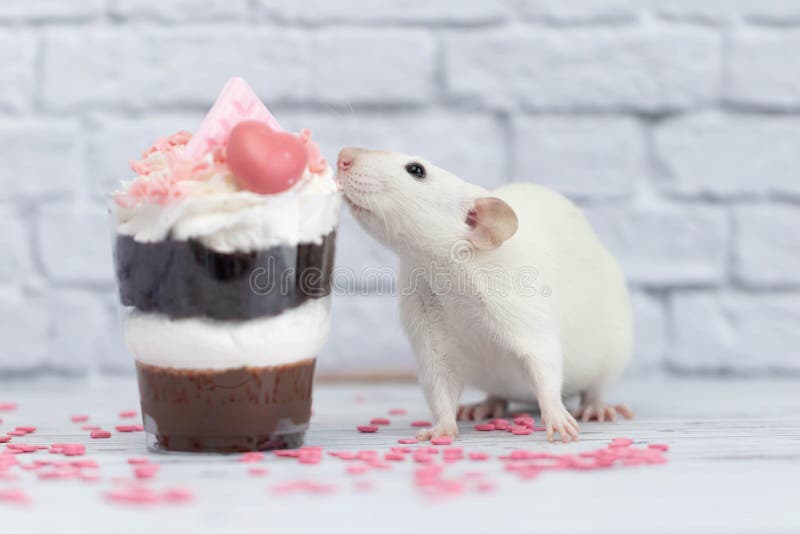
(168, 170)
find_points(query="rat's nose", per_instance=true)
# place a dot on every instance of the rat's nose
(346, 158)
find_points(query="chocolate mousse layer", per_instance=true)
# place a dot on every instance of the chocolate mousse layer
(187, 279)
(230, 410)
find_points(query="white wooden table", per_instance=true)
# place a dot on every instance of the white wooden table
(734, 467)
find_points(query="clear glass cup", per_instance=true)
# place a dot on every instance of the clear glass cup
(226, 342)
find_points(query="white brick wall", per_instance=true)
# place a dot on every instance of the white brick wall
(730, 156)
(676, 123)
(585, 157)
(585, 69)
(768, 245)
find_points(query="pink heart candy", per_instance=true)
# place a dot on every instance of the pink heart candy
(263, 160)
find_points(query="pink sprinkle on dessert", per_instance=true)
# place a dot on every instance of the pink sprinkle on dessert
(311, 459)
(478, 456)
(138, 494)
(524, 420)
(258, 471)
(129, 428)
(367, 455)
(363, 485)
(344, 455)
(379, 421)
(85, 464)
(250, 457)
(621, 442)
(357, 469)
(80, 418)
(8, 406)
(127, 414)
(133, 495)
(303, 486)
(367, 429)
(22, 448)
(407, 441)
(423, 458)
(484, 427)
(26, 429)
(500, 424)
(146, 470)
(397, 411)
(442, 440)
(100, 434)
(68, 449)
(4, 439)
(421, 424)
(14, 495)
(287, 453)
(90, 427)
(138, 460)
(177, 495)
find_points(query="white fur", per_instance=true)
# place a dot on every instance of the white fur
(573, 336)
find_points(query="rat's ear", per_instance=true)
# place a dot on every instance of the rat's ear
(492, 221)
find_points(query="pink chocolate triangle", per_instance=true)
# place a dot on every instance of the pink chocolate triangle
(236, 102)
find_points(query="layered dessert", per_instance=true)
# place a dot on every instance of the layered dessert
(224, 245)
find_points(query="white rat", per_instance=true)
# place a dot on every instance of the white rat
(509, 290)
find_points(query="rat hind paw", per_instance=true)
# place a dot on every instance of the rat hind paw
(449, 430)
(600, 411)
(489, 408)
(560, 421)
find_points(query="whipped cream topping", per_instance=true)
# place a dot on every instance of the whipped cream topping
(227, 219)
(198, 343)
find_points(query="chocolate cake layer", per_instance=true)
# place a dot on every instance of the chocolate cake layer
(187, 279)
(232, 410)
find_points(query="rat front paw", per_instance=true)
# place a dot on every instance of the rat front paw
(449, 429)
(561, 421)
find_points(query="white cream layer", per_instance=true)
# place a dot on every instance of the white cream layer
(200, 343)
(227, 220)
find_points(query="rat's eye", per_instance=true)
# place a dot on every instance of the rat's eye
(416, 170)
